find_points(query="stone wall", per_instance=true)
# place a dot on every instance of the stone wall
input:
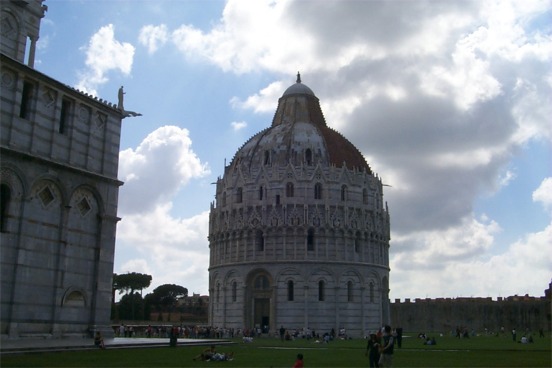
(479, 314)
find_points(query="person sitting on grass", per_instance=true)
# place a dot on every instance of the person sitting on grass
(221, 357)
(98, 340)
(430, 341)
(207, 354)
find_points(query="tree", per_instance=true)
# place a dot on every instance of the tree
(165, 296)
(131, 305)
(129, 283)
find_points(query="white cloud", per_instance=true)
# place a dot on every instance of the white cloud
(250, 36)
(261, 102)
(157, 169)
(505, 179)
(467, 80)
(430, 269)
(173, 250)
(238, 125)
(103, 54)
(543, 194)
(153, 37)
(532, 108)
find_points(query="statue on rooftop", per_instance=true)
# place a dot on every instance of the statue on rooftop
(121, 96)
(120, 105)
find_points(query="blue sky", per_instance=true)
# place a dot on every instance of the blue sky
(450, 103)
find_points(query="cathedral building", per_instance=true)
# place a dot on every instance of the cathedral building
(59, 190)
(299, 232)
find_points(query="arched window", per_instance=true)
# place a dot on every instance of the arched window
(259, 240)
(308, 157)
(239, 195)
(321, 291)
(234, 291)
(350, 291)
(365, 196)
(5, 197)
(290, 291)
(267, 158)
(261, 283)
(371, 292)
(310, 239)
(26, 97)
(64, 115)
(343, 192)
(261, 192)
(289, 190)
(317, 191)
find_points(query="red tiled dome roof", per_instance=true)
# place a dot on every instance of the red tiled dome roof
(298, 126)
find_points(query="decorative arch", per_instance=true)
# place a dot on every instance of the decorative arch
(352, 274)
(231, 275)
(259, 310)
(323, 280)
(74, 297)
(351, 281)
(86, 200)
(11, 192)
(286, 276)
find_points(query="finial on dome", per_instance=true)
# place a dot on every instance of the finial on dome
(298, 78)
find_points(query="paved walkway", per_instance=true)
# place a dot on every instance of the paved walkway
(28, 345)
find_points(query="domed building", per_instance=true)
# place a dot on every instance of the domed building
(299, 233)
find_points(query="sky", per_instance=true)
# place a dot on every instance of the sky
(450, 102)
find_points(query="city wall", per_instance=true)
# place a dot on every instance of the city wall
(473, 314)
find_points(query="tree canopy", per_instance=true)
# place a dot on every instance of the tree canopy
(167, 294)
(129, 282)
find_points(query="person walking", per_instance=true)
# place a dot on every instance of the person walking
(386, 359)
(372, 351)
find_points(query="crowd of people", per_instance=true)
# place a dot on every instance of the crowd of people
(379, 349)
(184, 331)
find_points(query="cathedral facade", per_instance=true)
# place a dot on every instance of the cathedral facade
(299, 232)
(59, 191)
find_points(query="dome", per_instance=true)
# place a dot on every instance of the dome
(298, 88)
(299, 130)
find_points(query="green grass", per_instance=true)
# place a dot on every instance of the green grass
(482, 351)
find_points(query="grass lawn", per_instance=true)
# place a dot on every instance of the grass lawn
(481, 351)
